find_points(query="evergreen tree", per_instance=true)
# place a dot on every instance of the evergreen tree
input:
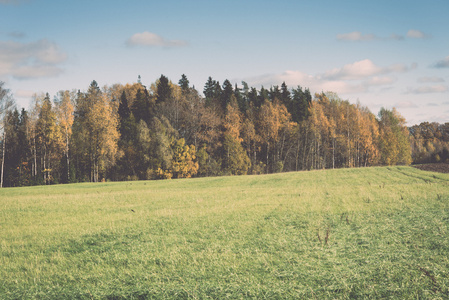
(123, 108)
(209, 89)
(127, 162)
(299, 107)
(217, 91)
(184, 83)
(141, 107)
(285, 95)
(12, 153)
(238, 94)
(274, 93)
(164, 91)
(226, 94)
(263, 95)
(253, 98)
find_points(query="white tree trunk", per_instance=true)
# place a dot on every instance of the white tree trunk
(3, 158)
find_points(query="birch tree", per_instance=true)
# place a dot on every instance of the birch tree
(64, 114)
(47, 137)
(95, 133)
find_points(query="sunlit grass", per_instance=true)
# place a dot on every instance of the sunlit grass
(372, 232)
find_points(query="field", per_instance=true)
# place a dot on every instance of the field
(348, 233)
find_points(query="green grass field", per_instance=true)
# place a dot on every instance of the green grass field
(348, 233)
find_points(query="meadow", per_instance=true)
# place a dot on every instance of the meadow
(377, 232)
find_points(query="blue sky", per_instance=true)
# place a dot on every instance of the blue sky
(380, 53)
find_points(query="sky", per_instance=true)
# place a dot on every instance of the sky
(378, 53)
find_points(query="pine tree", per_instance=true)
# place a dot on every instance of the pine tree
(253, 98)
(184, 83)
(123, 108)
(298, 107)
(285, 95)
(141, 107)
(217, 91)
(226, 94)
(209, 89)
(164, 91)
(12, 150)
(274, 93)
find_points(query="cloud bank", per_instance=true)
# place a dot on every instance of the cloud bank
(358, 36)
(417, 34)
(358, 77)
(153, 40)
(30, 60)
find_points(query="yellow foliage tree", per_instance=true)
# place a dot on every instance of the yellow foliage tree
(184, 164)
(273, 119)
(64, 116)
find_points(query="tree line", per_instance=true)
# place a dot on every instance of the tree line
(430, 142)
(168, 130)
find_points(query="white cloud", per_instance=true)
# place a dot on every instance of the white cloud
(151, 39)
(417, 34)
(428, 89)
(355, 36)
(358, 36)
(30, 60)
(430, 79)
(364, 69)
(444, 63)
(357, 70)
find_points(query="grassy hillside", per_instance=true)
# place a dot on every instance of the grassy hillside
(372, 232)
